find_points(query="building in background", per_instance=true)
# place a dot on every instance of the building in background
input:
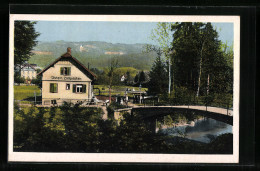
(66, 79)
(28, 72)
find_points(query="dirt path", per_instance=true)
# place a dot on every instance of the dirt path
(105, 115)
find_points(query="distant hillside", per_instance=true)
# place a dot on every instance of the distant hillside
(97, 54)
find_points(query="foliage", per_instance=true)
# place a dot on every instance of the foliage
(37, 81)
(18, 78)
(128, 72)
(110, 71)
(57, 129)
(73, 128)
(158, 78)
(24, 41)
(181, 96)
(199, 61)
(30, 133)
(223, 144)
(141, 79)
(163, 35)
(79, 121)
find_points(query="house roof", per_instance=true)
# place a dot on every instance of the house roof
(67, 56)
(27, 65)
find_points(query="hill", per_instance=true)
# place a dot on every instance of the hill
(96, 54)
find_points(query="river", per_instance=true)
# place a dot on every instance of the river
(202, 130)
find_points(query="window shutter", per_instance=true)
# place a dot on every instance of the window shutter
(68, 70)
(51, 87)
(61, 70)
(56, 88)
(74, 88)
(84, 88)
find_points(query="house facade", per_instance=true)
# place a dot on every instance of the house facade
(66, 79)
(28, 72)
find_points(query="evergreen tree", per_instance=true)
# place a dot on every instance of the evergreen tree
(199, 63)
(158, 77)
(142, 77)
(136, 80)
(128, 77)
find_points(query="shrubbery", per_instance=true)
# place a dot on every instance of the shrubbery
(72, 128)
(18, 79)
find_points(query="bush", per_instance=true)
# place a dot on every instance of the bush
(182, 96)
(72, 128)
(223, 144)
(18, 78)
(37, 81)
(223, 100)
(208, 99)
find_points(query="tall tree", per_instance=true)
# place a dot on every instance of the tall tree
(198, 57)
(128, 77)
(162, 34)
(185, 57)
(142, 77)
(136, 79)
(158, 77)
(24, 41)
(110, 73)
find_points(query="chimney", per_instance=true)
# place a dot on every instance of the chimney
(69, 50)
(68, 53)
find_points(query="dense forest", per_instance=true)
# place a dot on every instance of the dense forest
(201, 65)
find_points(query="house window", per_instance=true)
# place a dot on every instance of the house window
(53, 102)
(67, 86)
(53, 88)
(64, 70)
(79, 88)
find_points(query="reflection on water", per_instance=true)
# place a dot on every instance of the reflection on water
(203, 130)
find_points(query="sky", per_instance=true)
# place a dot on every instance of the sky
(111, 32)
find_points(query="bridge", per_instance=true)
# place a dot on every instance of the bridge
(149, 112)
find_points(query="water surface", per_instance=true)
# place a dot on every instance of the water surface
(203, 130)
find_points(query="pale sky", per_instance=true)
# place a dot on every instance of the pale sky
(111, 32)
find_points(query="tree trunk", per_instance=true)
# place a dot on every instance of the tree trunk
(208, 86)
(198, 90)
(169, 91)
(110, 82)
(109, 94)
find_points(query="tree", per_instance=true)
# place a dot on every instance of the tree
(110, 73)
(128, 77)
(136, 79)
(142, 77)
(199, 62)
(185, 56)
(24, 41)
(163, 36)
(158, 77)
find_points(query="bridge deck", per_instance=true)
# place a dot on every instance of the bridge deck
(202, 108)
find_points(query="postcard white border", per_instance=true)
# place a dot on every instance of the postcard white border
(127, 157)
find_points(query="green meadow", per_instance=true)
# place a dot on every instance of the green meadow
(23, 92)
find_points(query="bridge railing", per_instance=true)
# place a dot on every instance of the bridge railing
(219, 104)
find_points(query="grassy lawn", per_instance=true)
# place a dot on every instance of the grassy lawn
(24, 92)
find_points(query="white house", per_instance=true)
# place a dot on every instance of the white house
(66, 79)
(28, 72)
